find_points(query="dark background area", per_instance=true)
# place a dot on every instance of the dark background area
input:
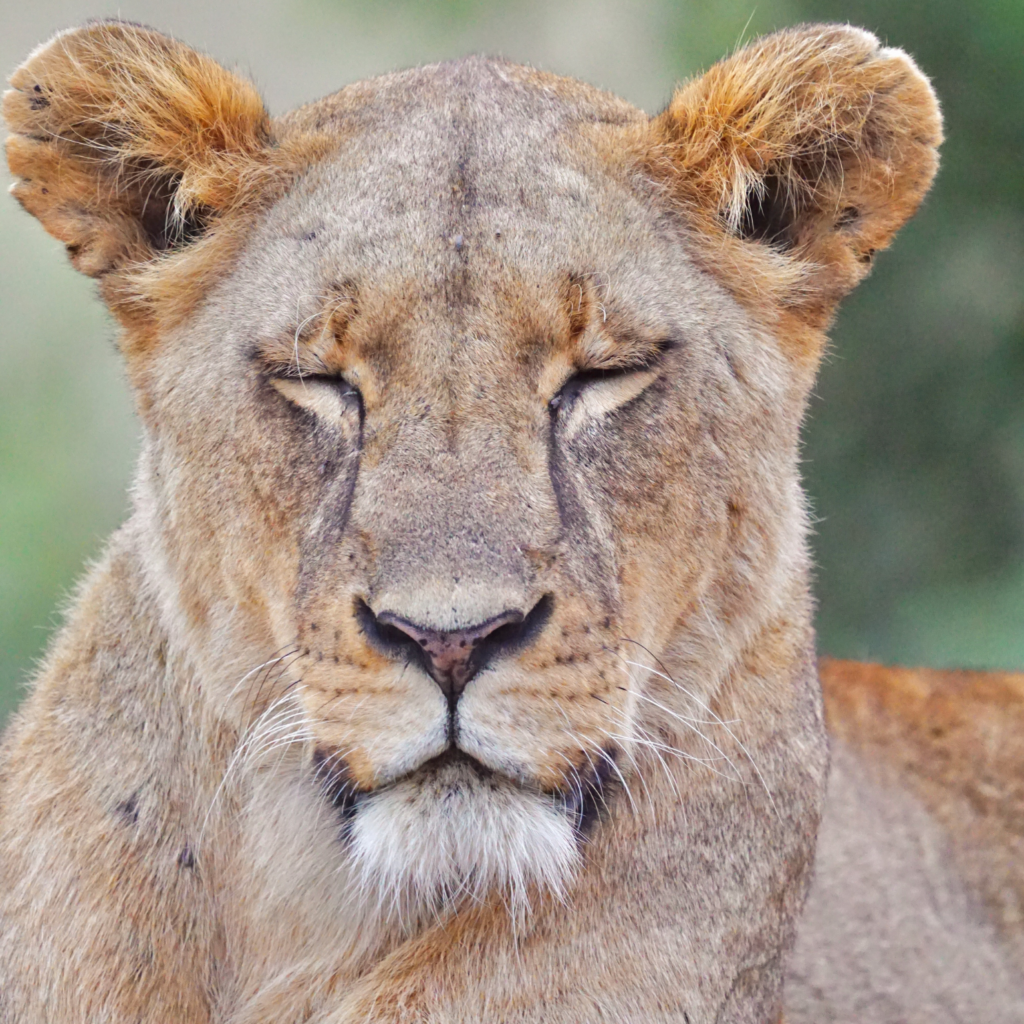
(914, 454)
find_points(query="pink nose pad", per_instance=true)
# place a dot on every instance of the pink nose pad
(454, 658)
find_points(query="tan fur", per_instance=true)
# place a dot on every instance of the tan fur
(917, 912)
(452, 345)
(956, 740)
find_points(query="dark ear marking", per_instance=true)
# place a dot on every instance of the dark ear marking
(847, 217)
(38, 101)
(766, 215)
(769, 215)
(164, 228)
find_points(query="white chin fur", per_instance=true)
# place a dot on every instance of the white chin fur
(426, 843)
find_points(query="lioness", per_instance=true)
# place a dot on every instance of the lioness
(456, 663)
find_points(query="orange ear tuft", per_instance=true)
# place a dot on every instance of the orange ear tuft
(814, 142)
(125, 141)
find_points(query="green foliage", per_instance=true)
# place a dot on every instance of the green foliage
(66, 438)
(915, 447)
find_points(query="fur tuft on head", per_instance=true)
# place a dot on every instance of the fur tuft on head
(125, 141)
(815, 142)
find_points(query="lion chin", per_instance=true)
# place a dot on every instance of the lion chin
(451, 832)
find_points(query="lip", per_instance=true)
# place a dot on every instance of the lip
(455, 757)
(345, 794)
(451, 761)
(583, 800)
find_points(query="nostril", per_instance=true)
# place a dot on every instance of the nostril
(514, 636)
(453, 657)
(388, 638)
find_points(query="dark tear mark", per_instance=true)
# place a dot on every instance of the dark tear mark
(571, 515)
(570, 512)
(338, 520)
(316, 549)
(128, 810)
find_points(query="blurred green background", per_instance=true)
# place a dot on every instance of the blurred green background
(915, 444)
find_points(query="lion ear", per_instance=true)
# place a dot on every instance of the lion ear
(815, 143)
(126, 143)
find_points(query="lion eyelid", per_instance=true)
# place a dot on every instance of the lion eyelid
(601, 397)
(319, 394)
(648, 362)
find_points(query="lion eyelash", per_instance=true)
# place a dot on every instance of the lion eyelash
(628, 355)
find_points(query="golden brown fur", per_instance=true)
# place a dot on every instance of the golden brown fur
(467, 351)
(851, 155)
(120, 133)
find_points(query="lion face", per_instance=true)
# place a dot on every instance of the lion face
(458, 440)
(471, 401)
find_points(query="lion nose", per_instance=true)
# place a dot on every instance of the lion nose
(453, 657)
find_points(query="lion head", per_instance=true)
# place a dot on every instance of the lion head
(471, 399)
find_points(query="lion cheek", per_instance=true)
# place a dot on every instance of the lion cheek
(374, 728)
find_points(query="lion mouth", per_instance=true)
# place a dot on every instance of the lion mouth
(583, 797)
(454, 829)
(455, 757)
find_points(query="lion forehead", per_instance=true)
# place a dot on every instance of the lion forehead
(468, 158)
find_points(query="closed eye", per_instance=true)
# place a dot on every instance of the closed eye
(592, 394)
(330, 398)
(575, 385)
(618, 373)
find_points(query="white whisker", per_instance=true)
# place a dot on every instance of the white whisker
(239, 756)
(711, 712)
